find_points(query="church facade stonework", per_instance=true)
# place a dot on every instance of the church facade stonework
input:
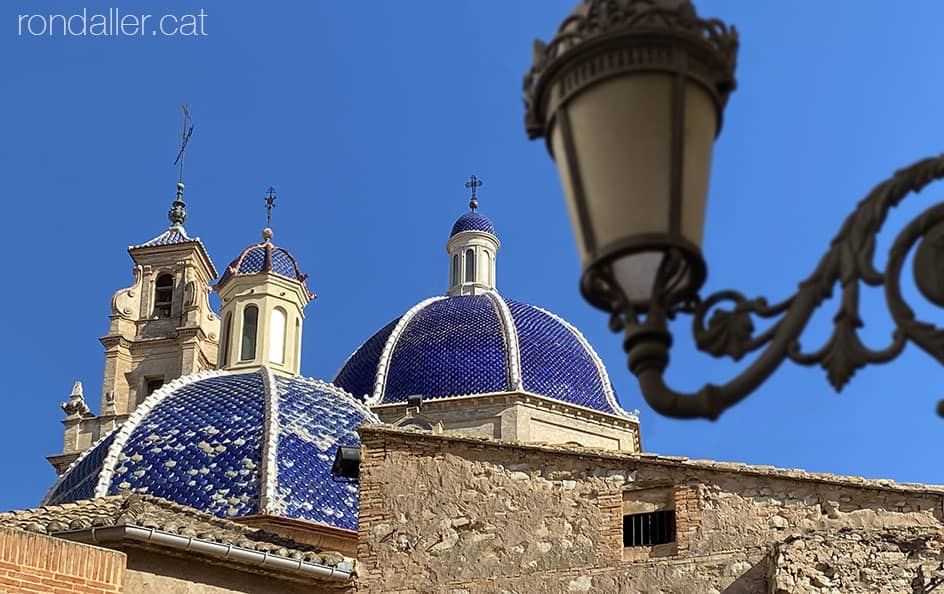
(473, 445)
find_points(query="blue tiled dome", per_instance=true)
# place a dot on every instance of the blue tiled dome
(473, 221)
(462, 345)
(264, 257)
(231, 445)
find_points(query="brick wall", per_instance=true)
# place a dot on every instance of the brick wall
(39, 564)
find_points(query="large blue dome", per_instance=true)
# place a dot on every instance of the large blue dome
(230, 444)
(478, 344)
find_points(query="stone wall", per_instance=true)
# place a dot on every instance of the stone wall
(466, 515)
(150, 572)
(859, 561)
(34, 563)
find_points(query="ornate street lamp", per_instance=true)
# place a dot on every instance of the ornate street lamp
(629, 96)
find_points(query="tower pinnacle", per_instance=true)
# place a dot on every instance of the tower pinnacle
(472, 249)
(178, 213)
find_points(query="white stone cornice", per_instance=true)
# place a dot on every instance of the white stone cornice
(383, 364)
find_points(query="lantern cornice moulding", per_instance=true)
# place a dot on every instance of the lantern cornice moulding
(629, 96)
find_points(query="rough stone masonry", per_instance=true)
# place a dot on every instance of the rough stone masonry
(464, 515)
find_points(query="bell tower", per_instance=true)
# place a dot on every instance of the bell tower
(161, 327)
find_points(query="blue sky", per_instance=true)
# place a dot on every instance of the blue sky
(369, 117)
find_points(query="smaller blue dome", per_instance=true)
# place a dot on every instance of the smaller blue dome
(264, 257)
(473, 221)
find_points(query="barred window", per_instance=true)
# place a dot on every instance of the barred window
(646, 530)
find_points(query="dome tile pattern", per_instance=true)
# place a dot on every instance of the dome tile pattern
(545, 340)
(357, 375)
(464, 345)
(473, 221)
(264, 257)
(208, 425)
(174, 234)
(79, 482)
(230, 445)
(305, 453)
(465, 356)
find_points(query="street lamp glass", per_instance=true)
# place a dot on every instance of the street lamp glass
(634, 155)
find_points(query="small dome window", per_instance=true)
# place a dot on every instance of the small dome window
(470, 266)
(298, 342)
(163, 295)
(455, 269)
(247, 351)
(277, 336)
(224, 344)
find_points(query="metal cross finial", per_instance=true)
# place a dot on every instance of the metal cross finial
(474, 183)
(178, 213)
(270, 204)
(184, 139)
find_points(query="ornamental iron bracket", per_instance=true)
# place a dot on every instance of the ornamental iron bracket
(847, 263)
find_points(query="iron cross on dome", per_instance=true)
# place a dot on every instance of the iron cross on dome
(474, 183)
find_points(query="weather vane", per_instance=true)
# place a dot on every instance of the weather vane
(270, 204)
(474, 183)
(185, 138)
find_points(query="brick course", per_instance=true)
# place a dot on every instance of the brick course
(39, 564)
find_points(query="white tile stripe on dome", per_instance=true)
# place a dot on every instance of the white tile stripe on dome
(383, 364)
(124, 433)
(369, 415)
(269, 480)
(601, 369)
(82, 456)
(510, 331)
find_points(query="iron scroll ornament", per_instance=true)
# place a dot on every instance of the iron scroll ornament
(848, 262)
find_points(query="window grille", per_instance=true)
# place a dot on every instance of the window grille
(646, 530)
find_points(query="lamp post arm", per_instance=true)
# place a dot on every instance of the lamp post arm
(849, 261)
